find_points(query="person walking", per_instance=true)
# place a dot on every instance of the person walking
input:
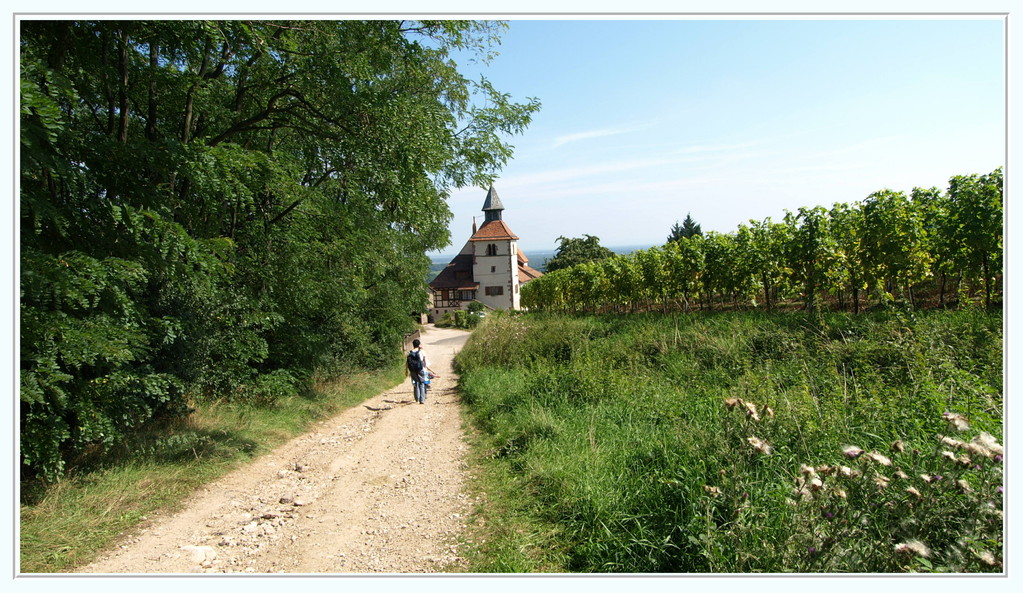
(417, 367)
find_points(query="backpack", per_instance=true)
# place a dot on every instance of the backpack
(414, 364)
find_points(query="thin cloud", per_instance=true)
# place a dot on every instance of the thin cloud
(720, 148)
(601, 133)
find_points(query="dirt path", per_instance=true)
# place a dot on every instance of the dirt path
(377, 489)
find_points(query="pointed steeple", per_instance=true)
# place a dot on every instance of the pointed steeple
(492, 207)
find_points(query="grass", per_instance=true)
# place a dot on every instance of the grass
(608, 443)
(67, 524)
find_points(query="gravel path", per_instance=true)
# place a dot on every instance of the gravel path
(377, 489)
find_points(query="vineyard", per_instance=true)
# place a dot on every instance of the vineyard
(931, 248)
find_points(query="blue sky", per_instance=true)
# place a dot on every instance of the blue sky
(644, 121)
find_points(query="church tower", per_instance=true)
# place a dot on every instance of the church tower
(489, 269)
(495, 257)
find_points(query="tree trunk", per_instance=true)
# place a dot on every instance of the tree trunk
(154, 64)
(122, 92)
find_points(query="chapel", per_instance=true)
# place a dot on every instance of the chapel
(489, 268)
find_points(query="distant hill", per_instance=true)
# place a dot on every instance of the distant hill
(537, 259)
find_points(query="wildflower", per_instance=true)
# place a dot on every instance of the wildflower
(816, 485)
(914, 492)
(957, 421)
(878, 458)
(952, 442)
(926, 478)
(852, 451)
(712, 490)
(988, 442)
(732, 402)
(975, 448)
(751, 411)
(806, 470)
(914, 546)
(964, 460)
(901, 474)
(800, 492)
(986, 557)
(898, 447)
(825, 469)
(964, 485)
(847, 472)
(767, 411)
(759, 445)
(948, 455)
(881, 481)
(840, 492)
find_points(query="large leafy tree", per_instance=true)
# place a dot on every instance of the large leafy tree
(573, 251)
(224, 208)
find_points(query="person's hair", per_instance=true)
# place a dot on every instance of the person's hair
(415, 343)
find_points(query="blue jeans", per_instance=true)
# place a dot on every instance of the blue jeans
(419, 390)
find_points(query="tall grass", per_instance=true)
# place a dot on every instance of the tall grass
(720, 443)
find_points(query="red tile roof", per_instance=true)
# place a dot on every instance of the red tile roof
(494, 230)
(527, 273)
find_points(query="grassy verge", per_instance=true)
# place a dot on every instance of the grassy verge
(738, 443)
(68, 524)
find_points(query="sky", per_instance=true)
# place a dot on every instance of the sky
(644, 121)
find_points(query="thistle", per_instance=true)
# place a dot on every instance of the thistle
(878, 458)
(957, 421)
(913, 546)
(759, 445)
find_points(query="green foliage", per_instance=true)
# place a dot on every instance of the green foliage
(692, 443)
(574, 251)
(687, 229)
(899, 248)
(226, 209)
(462, 319)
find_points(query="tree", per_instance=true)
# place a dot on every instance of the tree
(893, 243)
(847, 271)
(688, 229)
(224, 208)
(809, 251)
(574, 251)
(975, 231)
